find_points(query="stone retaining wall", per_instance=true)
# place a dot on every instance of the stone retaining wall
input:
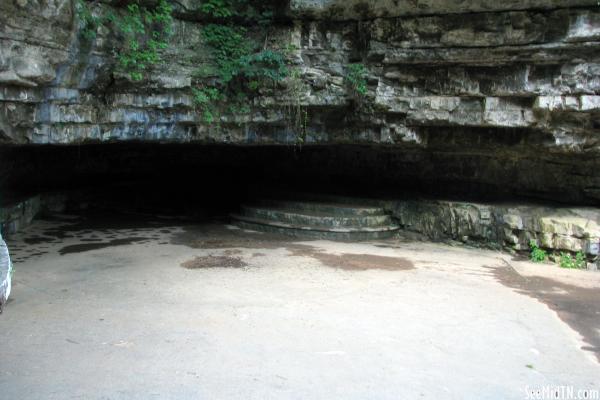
(502, 225)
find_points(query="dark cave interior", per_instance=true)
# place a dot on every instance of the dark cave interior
(214, 179)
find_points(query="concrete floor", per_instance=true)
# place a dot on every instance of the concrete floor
(103, 311)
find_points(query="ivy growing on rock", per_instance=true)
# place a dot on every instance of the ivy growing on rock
(244, 66)
(88, 22)
(206, 99)
(142, 33)
(145, 32)
(297, 113)
(356, 79)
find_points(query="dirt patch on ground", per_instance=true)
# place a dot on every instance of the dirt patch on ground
(214, 262)
(578, 307)
(218, 237)
(352, 262)
(363, 262)
(232, 252)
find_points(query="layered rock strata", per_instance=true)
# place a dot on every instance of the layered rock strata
(502, 82)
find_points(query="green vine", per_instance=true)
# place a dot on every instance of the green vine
(143, 32)
(216, 8)
(205, 99)
(356, 79)
(244, 66)
(297, 112)
(88, 22)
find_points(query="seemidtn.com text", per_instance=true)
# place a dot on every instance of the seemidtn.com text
(552, 392)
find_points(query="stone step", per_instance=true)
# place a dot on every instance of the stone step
(328, 207)
(316, 232)
(317, 218)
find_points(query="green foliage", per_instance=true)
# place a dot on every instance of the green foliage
(266, 64)
(204, 99)
(237, 58)
(143, 32)
(243, 68)
(537, 255)
(217, 8)
(356, 78)
(246, 11)
(88, 22)
(228, 45)
(567, 260)
(239, 107)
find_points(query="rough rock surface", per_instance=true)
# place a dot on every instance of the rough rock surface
(468, 88)
(16, 216)
(502, 225)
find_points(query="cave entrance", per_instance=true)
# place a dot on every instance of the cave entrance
(213, 180)
(470, 196)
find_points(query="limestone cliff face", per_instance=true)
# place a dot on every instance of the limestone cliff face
(501, 93)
